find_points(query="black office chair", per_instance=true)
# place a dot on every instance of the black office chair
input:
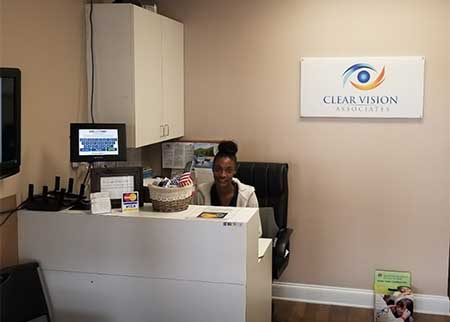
(271, 185)
(21, 294)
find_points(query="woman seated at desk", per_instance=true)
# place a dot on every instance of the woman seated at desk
(226, 190)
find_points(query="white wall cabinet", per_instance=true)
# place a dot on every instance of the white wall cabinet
(139, 72)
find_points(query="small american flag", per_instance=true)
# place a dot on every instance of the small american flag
(185, 179)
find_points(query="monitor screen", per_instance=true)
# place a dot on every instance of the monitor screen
(9, 121)
(97, 142)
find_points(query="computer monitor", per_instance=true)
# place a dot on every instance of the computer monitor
(10, 101)
(91, 142)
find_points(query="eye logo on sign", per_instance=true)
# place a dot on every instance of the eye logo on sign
(363, 76)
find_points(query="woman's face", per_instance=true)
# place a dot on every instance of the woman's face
(400, 309)
(224, 169)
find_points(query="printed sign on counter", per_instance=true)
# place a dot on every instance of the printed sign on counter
(130, 201)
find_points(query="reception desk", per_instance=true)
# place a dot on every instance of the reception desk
(150, 266)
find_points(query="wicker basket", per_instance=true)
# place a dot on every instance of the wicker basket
(170, 199)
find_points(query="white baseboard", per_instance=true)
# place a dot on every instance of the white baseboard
(429, 304)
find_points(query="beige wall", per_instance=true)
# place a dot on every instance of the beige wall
(364, 194)
(45, 39)
(8, 233)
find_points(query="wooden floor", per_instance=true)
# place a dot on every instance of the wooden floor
(286, 311)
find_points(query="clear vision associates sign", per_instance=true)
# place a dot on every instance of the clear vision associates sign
(387, 87)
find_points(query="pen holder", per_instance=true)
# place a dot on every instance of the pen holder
(170, 199)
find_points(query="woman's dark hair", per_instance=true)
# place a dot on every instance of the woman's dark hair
(227, 149)
(408, 303)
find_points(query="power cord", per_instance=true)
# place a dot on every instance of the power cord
(11, 212)
(6, 211)
(92, 60)
(87, 173)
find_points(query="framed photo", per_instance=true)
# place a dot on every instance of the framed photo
(116, 181)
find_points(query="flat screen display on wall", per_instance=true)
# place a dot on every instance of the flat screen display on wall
(97, 142)
(10, 89)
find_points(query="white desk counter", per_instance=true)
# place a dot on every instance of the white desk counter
(150, 266)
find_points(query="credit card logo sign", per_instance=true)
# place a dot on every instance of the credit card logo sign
(360, 76)
(129, 197)
(130, 201)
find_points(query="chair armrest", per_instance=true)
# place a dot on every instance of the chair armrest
(282, 242)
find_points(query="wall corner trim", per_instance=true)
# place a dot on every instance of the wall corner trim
(319, 294)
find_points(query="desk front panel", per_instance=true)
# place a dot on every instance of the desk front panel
(198, 250)
(80, 297)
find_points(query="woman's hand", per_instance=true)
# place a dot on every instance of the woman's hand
(405, 316)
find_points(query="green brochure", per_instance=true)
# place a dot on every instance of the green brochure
(387, 282)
